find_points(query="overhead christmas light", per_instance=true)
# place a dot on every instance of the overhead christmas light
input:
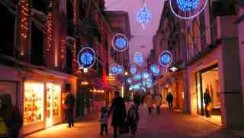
(144, 16)
(138, 58)
(120, 42)
(187, 9)
(165, 58)
(86, 57)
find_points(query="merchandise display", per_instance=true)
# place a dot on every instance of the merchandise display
(33, 102)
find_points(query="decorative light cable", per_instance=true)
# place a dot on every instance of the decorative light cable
(24, 25)
(49, 27)
(144, 15)
(187, 9)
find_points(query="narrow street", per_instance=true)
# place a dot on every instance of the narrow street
(168, 124)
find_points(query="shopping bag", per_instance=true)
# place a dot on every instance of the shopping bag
(124, 129)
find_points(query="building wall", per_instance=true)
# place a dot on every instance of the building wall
(241, 47)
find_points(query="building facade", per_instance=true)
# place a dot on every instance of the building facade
(209, 48)
(38, 57)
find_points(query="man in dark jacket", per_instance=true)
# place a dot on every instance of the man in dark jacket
(70, 103)
(11, 116)
(169, 99)
(119, 113)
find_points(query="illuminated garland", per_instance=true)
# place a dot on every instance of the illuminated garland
(187, 9)
(143, 16)
(24, 25)
(50, 27)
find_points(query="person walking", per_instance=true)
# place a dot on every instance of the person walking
(158, 101)
(148, 101)
(118, 110)
(11, 118)
(133, 119)
(169, 99)
(207, 100)
(70, 103)
(104, 120)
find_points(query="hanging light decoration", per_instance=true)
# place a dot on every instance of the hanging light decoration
(155, 69)
(120, 42)
(138, 58)
(24, 25)
(86, 57)
(116, 69)
(165, 58)
(144, 15)
(187, 9)
(132, 69)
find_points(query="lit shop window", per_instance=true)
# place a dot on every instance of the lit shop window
(33, 102)
(53, 102)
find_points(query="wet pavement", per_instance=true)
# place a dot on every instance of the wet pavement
(167, 124)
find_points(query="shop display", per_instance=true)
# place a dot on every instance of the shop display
(33, 102)
(53, 100)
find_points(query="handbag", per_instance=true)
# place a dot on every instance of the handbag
(124, 129)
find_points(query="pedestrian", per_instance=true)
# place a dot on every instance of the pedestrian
(207, 100)
(137, 99)
(148, 101)
(118, 110)
(104, 120)
(158, 101)
(133, 119)
(11, 118)
(169, 99)
(69, 104)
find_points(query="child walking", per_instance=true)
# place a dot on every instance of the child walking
(133, 118)
(104, 120)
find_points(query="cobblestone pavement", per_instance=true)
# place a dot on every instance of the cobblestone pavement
(167, 124)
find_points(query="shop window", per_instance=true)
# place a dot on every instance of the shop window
(53, 99)
(33, 102)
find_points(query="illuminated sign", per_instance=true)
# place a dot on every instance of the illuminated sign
(165, 58)
(120, 42)
(86, 57)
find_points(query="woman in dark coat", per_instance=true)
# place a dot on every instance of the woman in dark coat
(119, 112)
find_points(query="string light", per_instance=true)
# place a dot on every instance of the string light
(24, 25)
(49, 28)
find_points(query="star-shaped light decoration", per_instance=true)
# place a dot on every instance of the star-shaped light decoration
(187, 9)
(144, 16)
(86, 57)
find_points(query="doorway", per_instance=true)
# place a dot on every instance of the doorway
(208, 78)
